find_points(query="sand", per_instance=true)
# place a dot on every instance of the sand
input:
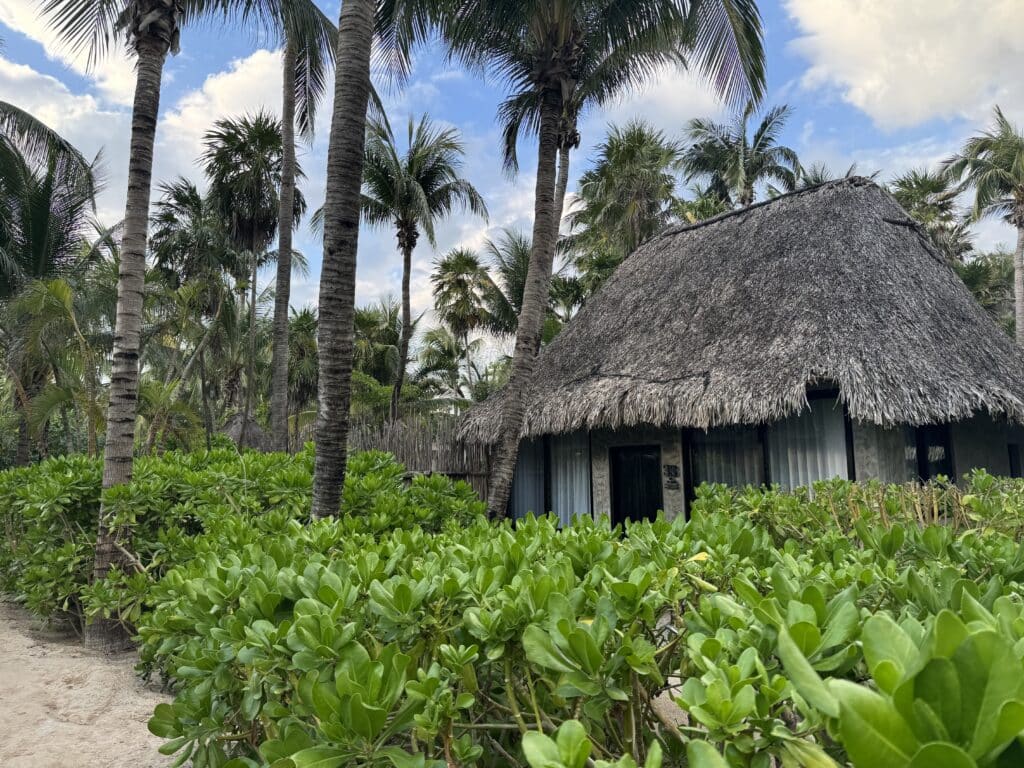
(62, 706)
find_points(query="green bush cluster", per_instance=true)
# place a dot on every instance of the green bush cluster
(867, 625)
(771, 629)
(176, 505)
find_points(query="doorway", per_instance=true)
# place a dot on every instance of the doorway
(635, 473)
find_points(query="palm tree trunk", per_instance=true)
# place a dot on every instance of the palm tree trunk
(250, 368)
(563, 182)
(403, 344)
(1018, 286)
(535, 304)
(341, 241)
(279, 364)
(108, 634)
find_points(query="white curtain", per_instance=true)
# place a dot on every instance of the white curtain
(528, 481)
(808, 447)
(570, 475)
(730, 455)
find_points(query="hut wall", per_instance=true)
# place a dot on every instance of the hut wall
(672, 485)
(980, 442)
(879, 453)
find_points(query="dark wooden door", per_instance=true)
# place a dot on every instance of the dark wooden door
(636, 482)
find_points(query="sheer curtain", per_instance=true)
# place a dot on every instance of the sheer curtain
(570, 475)
(730, 455)
(808, 447)
(528, 481)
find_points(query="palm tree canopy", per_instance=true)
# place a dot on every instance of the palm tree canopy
(243, 159)
(589, 52)
(629, 194)
(414, 189)
(993, 163)
(736, 161)
(459, 281)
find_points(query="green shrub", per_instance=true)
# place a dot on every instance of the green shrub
(49, 513)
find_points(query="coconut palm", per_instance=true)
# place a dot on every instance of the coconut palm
(931, 198)
(151, 29)
(704, 202)
(309, 41)
(732, 160)
(559, 56)
(244, 161)
(625, 199)
(412, 191)
(378, 334)
(46, 202)
(993, 165)
(990, 278)
(396, 23)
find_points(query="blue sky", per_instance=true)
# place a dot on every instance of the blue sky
(888, 85)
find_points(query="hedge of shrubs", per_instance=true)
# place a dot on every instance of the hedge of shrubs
(873, 626)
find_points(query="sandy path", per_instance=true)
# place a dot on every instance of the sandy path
(64, 707)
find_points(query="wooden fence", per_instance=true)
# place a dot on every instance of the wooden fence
(427, 446)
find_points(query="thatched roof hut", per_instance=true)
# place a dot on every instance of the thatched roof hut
(255, 437)
(731, 320)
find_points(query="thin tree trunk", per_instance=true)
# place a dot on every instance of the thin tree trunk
(108, 634)
(535, 304)
(65, 424)
(403, 344)
(279, 364)
(250, 368)
(1018, 286)
(207, 414)
(563, 182)
(341, 241)
(23, 454)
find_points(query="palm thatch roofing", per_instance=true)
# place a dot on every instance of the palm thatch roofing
(255, 437)
(731, 320)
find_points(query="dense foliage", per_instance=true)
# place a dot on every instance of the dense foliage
(180, 504)
(870, 625)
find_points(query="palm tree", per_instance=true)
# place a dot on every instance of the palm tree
(625, 199)
(151, 28)
(990, 278)
(559, 56)
(397, 24)
(993, 164)
(704, 202)
(309, 44)
(244, 160)
(930, 197)
(412, 191)
(460, 281)
(378, 334)
(46, 200)
(302, 364)
(736, 162)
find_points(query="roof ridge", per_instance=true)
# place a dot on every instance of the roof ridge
(853, 181)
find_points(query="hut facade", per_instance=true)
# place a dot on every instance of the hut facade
(813, 336)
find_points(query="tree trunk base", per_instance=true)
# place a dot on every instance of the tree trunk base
(107, 636)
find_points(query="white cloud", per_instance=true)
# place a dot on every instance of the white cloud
(906, 62)
(79, 118)
(667, 102)
(114, 75)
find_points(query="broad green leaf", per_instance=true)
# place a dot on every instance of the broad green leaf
(941, 755)
(870, 727)
(804, 678)
(701, 754)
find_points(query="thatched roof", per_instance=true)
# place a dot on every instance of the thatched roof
(730, 320)
(255, 437)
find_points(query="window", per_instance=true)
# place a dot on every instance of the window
(528, 481)
(1015, 467)
(798, 451)
(928, 451)
(809, 446)
(570, 475)
(730, 455)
